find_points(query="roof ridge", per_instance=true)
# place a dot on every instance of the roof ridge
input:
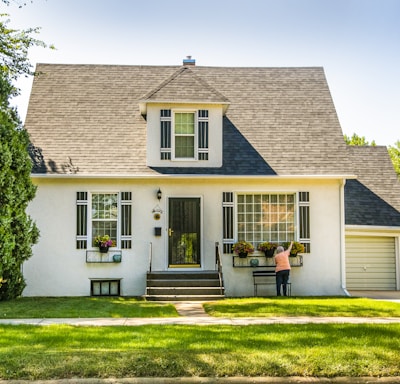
(163, 84)
(178, 73)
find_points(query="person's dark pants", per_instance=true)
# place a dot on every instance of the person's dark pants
(282, 278)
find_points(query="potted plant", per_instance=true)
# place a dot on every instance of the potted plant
(242, 248)
(268, 248)
(103, 242)
(296, 248)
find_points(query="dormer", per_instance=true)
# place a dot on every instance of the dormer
(184, 118)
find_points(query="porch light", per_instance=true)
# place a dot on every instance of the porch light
(159, 194)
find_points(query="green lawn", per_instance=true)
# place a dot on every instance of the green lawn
(75, 307)
(309, 350)
(63, 307)
(303, 306)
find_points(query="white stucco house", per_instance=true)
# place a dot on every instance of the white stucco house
(176, 163)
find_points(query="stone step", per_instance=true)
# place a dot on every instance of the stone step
(184, 286)
(183, 297)
(168, 275)
(183, 283)
(183, 291)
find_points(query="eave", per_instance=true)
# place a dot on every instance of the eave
(143, 104)
(191, 176)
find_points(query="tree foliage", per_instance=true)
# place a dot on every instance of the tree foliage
(17, 230)
(394, 152)
(357, 140)
(14, 46)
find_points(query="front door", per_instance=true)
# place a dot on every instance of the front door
(184, 233)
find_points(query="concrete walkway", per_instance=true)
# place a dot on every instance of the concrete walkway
(378, 295)
(217, 380)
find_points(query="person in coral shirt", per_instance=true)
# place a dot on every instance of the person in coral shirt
(282, 269)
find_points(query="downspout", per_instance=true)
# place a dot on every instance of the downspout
(342, 239)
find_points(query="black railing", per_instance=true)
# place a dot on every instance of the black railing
(218, 263)
(150, 255)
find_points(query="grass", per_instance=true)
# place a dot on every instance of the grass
(119, 307)
(304, 306)
(308, 350)
(81, 307)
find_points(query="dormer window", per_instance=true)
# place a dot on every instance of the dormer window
(184, 134)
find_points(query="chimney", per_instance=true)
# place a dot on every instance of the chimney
(189, 61)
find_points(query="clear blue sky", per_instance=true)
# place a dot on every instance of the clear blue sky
(356, 41)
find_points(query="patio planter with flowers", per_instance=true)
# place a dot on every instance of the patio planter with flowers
(268, 248)
(103, 242)
(242, 248)
(296, 248)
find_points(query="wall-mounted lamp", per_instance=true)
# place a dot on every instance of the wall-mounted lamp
(159, 194)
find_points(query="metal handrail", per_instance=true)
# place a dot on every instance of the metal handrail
(218, 262)
(150, 255)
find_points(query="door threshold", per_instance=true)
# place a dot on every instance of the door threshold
(184, 266)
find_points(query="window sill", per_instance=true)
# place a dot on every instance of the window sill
(112, 256)
(262, 261)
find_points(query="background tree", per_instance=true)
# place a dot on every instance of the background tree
(17, 231)
(394, 153)
(357, 140)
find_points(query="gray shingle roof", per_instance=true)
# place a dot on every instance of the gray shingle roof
(185, 86)
(374, 198)
(85, 119)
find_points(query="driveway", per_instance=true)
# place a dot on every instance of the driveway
(378, 295)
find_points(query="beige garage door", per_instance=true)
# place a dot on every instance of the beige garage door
(370, 263)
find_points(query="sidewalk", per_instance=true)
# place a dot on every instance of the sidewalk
(217, 380)
(192, 313)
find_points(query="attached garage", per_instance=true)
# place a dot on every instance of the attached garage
(370, 263)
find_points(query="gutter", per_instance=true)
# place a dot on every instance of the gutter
(187, 176)
(342, 239)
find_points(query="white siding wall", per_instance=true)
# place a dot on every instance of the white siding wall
(59, 269)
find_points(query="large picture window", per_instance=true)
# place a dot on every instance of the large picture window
(266, 217)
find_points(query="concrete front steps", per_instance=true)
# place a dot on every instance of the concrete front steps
(184, 286)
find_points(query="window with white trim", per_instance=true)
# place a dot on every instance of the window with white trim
(184, 134)
(259, 217)
(104, 215)
(266, 217)
(101, 214)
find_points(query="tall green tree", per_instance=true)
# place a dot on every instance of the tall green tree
(17, 230)
(357, 140)
(394, 152)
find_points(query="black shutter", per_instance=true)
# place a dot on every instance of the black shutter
(227, 215)
(81, 219)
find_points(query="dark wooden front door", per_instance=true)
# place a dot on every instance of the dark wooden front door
(184, 233)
